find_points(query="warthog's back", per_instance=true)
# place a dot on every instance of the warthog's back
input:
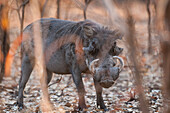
(51, 30)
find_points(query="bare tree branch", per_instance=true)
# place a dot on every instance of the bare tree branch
(18, 10)
(25, 2)
(4, 37)
(79, 4)
(165, 46)
(149, 28)
(87, 2)
(58, 9)
(43, 9)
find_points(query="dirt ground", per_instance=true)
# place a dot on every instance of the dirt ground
(121, 97)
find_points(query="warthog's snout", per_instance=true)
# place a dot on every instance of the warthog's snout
(106, 83)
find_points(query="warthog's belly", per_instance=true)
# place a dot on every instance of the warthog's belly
(56, 63)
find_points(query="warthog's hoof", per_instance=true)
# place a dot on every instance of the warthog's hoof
(106, 109)
(20, 106)
(81, 107)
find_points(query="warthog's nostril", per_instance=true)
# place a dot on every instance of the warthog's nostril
(106, 83)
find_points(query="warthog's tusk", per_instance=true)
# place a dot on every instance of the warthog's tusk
(84, 48)
(92, 65)
(121, 62)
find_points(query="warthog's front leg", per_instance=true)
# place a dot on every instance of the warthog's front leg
(71, 59)
(99, 90)
(77, 78)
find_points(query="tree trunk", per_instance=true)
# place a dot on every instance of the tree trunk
(4, 38)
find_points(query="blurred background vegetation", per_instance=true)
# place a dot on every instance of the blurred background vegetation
(146, 42)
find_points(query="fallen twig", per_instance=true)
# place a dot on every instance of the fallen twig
(57, 81)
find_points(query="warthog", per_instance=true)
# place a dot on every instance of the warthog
(72, 48)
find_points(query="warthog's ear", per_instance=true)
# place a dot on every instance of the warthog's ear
(118, 35)
(89, 30)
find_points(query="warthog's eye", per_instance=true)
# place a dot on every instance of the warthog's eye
(93, 43)
(120, 49)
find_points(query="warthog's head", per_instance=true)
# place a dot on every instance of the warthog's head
(107, 72)
(102, 53)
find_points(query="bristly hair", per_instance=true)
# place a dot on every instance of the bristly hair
(69, 29)
(112, 33)
(76, 28)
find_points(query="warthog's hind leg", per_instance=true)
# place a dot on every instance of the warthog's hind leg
(26, 70)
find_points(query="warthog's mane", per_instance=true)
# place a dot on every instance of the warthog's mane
(77, 28)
